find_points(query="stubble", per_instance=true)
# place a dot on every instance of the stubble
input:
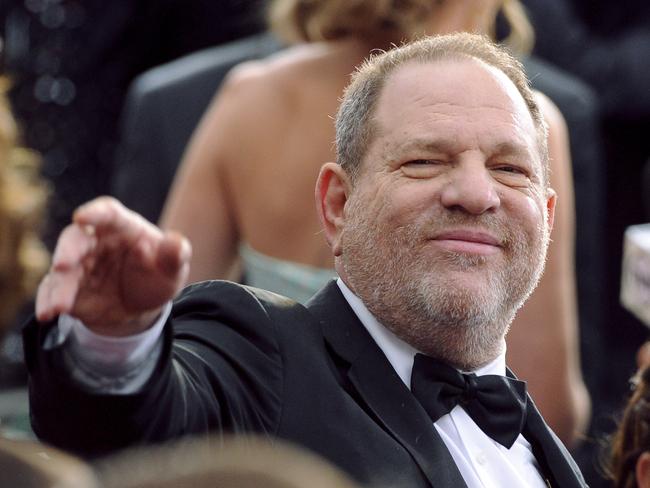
(417, 294)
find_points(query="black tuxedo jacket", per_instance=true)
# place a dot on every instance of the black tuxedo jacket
(238, 359)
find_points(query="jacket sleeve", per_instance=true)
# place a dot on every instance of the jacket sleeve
(220, 371)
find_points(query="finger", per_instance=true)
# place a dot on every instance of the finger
(108, 215)
(43, 307)
(173, 254)
(57, 293)
(74, 244)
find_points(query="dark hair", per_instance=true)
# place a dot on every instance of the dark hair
(632, 438)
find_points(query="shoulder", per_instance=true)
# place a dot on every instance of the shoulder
(575, 98)
(241, 322)
(256, 97)
(232, 304)
(287, 74)
(550, 111)
(223, 292)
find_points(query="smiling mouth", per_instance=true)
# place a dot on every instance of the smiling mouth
(468, 242)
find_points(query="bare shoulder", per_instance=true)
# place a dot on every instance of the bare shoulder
(291, 73)
(550, 111)
(267, 99)
(258, 94)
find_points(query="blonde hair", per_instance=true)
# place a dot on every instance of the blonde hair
(228, 462)
(23, 258)
(30, 464)
(377, 21)
(521, 38)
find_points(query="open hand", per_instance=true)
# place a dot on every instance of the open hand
(113, 270)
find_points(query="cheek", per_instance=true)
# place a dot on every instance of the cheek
(532, 214)
(410, 203)
(378, 205)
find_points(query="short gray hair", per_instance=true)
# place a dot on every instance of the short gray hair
(354, 122)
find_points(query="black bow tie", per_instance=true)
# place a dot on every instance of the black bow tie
(496, 403)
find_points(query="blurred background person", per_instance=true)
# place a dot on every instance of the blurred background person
(245, 187)
(23, 261)
(607, 44)
(629, 463)
(230, 462)
(31, 464)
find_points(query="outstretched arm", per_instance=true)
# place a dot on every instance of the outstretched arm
(114, 271)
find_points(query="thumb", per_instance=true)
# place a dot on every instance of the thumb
(173, 256)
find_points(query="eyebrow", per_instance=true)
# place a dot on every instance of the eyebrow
(429, 145)
(510, 149)
(447, 147)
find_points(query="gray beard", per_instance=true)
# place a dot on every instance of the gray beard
(427, 309)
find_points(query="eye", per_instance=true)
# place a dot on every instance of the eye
(422, 162)
(422, 168)
(513, 175)
(511, 169)
(508, 168)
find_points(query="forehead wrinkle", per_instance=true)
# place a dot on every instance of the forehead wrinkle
(448, 143)
(435, 110)
(507, 99)
(513, 149)
(430, 145)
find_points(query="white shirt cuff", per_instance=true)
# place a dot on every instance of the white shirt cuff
(105, 364)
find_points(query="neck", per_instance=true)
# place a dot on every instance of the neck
(460, 347)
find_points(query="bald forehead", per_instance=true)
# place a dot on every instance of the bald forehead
(467, 82)
(454, 94)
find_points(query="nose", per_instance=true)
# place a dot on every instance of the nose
(470, 187)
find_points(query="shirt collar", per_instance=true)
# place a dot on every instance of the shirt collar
(399, 353)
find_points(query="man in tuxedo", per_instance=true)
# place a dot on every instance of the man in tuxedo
(438, 213)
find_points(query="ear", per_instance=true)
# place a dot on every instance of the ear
(551, 200)
(643, 470)
(332, 190)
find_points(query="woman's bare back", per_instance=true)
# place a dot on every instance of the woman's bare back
(256, 156)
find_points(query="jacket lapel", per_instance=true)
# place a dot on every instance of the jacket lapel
(557, 465)
(382, 390)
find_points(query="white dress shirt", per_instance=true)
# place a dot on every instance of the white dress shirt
(122, 365)
(483, 462)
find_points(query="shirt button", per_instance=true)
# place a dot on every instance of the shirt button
(481, 458)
